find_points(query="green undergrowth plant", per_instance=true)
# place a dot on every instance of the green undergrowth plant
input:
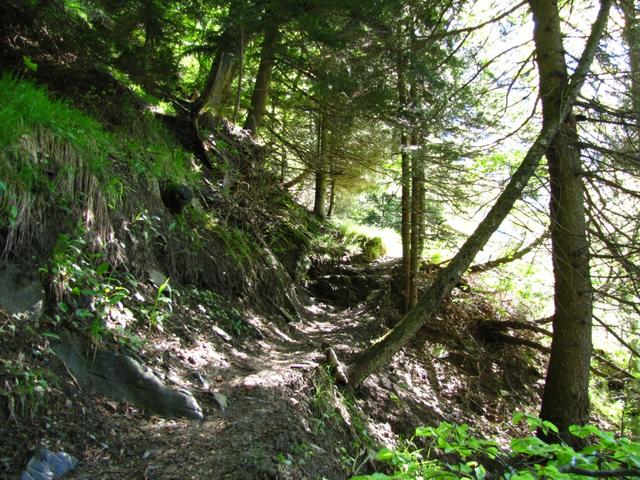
(221, 311)
(26, 111)
(344, 237)
(361, 240)
(452, 451)
(336, 410)
(23, 389)
(57, 162)
(90, 295)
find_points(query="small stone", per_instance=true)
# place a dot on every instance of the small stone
(221, 400)
(225, 336)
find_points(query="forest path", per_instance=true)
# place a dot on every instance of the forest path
(259, 399)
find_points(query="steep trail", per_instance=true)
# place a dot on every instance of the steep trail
(258, 397)
(271, 410)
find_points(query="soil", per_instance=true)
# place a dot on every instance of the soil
(271, 410)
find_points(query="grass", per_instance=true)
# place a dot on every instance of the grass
(144, 148)
(54, 155)
(370, 242)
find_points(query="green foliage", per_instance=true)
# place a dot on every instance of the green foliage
(22, 389)
(360, 240)
(162, 306)
(334, 409)
(143, 148)
(89, 292)
(377, 208)
(453, 452)
(24, 108)
(221, 311)
(238, 245)
(78, 275)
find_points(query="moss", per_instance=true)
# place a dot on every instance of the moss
(372, 248)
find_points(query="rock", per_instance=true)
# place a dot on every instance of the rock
(221, 400)
(47, 465)
(175, 197)
(21, 293)
(157, 277)
(122, 378)
(224, 335)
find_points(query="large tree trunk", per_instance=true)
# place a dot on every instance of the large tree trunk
(224, 63)
(320, 201)
(632, 37)
(565, 400)
(380, 353)
(405, 158)
(417, 227)
(406, 220)
(263, 79)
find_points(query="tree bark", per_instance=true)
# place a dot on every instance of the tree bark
(319, 204)
(381, 352)
(632, 37)
(406, 220)
(405, 158)
(332, 191)
(263, 80)
(565, 400)
(417, 194)
(225, 60)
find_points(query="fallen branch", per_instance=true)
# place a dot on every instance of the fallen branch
(496, 325)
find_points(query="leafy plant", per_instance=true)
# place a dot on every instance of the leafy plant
(22, 388)
(220, 310)
(162, 306)
(452, 452)
(86, 287)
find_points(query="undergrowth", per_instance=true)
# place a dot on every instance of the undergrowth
(336, 410)
(452, 451)
(50, 150)
(357, 241)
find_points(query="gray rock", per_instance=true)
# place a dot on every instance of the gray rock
(122, 378)
(221, 399)
(157, 277)
(21, 293)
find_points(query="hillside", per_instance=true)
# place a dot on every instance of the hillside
(202, 300)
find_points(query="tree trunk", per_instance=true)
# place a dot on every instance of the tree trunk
(381, 352)
(406, 220)
(565, 400)
(416, 221)
(319, 204)
(332, 190)
(405, 158)
(263, 79)
(632, 37)
(236, 110)
(225, 60)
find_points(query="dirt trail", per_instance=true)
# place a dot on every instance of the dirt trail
(270, 410)
(258, 397)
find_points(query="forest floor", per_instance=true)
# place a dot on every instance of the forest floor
(271, 411)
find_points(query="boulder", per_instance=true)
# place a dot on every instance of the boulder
(21, 293)
(123, 378)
